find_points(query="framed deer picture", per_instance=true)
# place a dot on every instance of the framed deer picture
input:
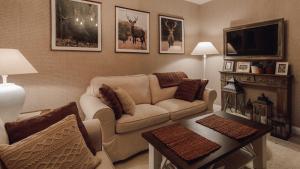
(132, 30)
(171, 39)
(76, 25)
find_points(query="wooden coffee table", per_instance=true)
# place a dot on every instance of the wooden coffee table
(229, 145)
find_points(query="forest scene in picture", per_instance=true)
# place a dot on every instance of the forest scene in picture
(171, 35)
(132, 30)
(77, 24)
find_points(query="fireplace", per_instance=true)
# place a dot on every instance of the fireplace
(276, 87)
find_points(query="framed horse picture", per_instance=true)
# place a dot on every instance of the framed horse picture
(132, 30)
(171, 35)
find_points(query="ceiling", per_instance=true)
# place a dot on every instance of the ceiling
(199, 2)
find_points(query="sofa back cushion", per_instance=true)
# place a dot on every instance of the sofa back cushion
(136, 85)
(158, 93)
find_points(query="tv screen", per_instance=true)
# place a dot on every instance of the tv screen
(254, 41)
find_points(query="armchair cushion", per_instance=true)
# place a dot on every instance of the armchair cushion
(21, 129)
(59, 146)
(146, 115)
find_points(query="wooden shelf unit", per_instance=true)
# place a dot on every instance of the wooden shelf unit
(280, 84)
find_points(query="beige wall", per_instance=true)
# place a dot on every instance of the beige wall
(219, 14)
(63, 76)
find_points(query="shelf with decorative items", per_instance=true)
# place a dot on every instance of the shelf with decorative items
(277, 114)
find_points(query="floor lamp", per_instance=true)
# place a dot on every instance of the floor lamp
(204, 48)
(12, 96)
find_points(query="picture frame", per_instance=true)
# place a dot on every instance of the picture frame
(243, 67)
(171, 35)
(228, 66)
(282, 68)
(76, 25)
(132, 30)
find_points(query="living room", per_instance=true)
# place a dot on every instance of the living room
(61, 73)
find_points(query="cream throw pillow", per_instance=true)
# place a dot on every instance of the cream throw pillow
(61, 146)
(126, 100)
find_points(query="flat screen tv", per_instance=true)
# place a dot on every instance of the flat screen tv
(258, 41)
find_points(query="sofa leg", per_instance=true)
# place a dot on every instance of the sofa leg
(155, 158)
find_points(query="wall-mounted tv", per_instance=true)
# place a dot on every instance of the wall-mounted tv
(258, 41)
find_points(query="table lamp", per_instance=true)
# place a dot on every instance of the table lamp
(12, 96)
(204, 48)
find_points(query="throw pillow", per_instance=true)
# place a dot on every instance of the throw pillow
(19, 130)
(112, 100)
(126, 100)
(59, 146)
(187, 90)
(201, 89)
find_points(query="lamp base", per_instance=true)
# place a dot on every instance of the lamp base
(12, 98)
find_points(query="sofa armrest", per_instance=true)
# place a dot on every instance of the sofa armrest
(209, 96)
(94, 130)
(93, 108)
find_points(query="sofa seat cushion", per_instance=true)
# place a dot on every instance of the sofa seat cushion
(179, 108)
(146, 115)
(106, 163)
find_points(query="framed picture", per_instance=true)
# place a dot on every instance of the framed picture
(76, 25)
(228, 66)
(171, 35)
(243, 67)
(132, 30)
(282, 68)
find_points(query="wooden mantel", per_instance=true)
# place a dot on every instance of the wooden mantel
(280, 84)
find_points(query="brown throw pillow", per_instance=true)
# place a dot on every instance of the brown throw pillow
(112, 100)
(19, 130)
(170, 79)
(59, 146)
(201, 89)
(187, 90)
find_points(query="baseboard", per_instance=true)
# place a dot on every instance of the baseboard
(296, 130)
(217, 107)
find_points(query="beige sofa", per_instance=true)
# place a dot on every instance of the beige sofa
(94, 131)
(155, 107)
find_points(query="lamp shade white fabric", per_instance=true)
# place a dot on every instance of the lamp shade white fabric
(205, 48)
(12, 62)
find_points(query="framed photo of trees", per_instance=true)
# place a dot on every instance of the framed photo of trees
(76, 25)
(171, 35)
(132, 30)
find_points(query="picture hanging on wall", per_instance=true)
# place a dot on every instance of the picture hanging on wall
(171, 34)
(132, 30)
(76, 25)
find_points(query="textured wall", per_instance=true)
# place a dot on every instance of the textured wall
(219, 14)
(64, 75)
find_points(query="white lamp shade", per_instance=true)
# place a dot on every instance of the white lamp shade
(12, 62)
(205, 48)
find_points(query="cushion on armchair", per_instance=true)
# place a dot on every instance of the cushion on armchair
(19, 130)
(59, 146)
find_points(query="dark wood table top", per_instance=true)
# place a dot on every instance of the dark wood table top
(228, 144)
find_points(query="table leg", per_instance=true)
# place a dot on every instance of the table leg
(260, 149)
(155, 158)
